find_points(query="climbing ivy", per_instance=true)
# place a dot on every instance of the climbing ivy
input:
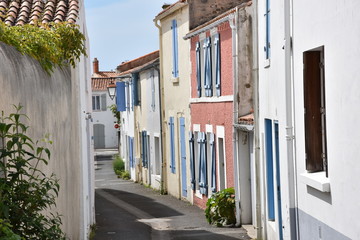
(52, 44)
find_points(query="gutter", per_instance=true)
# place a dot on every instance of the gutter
(255, 76)
(233, 21)
(163, 189)
(290, 136)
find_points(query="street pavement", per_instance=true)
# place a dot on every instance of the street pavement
(131, 211)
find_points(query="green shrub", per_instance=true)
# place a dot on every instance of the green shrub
(5, 231)
(125, 175)
(220, 208)
(27, 194)
(118, 164)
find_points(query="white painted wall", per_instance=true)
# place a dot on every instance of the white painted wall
(108, 120)
(148, 117)
(272, 106)
(333, 25)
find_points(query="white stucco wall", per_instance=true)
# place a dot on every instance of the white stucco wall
(148, 119)
(108, 120)
(272, 106)
(334, 26)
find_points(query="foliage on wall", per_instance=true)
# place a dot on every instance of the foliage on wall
(52, 44)
(27, 194)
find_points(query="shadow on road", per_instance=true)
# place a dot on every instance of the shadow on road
(145, 204)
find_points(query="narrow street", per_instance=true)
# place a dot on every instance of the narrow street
(127, 210)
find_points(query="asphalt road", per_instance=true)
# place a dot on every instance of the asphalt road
(130, 211)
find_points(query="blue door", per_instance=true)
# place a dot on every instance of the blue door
(276, 126)
(269, 169)
(183, 157)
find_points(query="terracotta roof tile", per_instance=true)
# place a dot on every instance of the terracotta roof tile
(101, 79)
(247, 119)
(138, 61)
(170, 7)
(20, 12)
(100, 84)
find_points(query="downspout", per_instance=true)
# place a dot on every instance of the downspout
(233, 21)
(255, 76)
(290, 137)
(163, 189)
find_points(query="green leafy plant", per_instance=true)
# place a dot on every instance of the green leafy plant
(220, 208)
(125, 175)
(27, 194)
(115, 112)
(52, 44)
(118, 164)
(6, 233)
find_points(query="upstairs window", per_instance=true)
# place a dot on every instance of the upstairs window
(315, 114)
(99, 102)
(175, 71)
(267, 33)
(208, 75)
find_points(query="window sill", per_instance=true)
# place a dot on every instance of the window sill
(198, 194)
(175, 79)
(317, 180)
(229, 98)
(267, 63)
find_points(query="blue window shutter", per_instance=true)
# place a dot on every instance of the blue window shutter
(172, 144)
(208, 68)
(203, 166)
(269, 169)
(213, 162)
(217, 65)
(143, 147)
(120, 96)
(146, 150)
(192, 160)
(132, 152)
(198, 68)
(175, 48)
(267, 38)
(135, 87)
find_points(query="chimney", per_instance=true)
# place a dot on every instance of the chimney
(95, 66)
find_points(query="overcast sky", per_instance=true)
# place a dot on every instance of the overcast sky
(121, 30)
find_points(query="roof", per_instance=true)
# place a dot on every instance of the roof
(171, 8)
(141, 67)
(22, 12)
(100, 80)
(100, 84)
(138, 62)
(105, 74)
(215, 21)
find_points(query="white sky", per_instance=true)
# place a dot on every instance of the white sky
(121, 30)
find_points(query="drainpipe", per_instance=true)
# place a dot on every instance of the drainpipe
(233, 21)
(290, 137)
(255, 76)
(163, 189)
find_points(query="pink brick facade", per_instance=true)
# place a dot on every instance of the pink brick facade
(211, 111)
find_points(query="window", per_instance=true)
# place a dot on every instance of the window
(267, 34)
(175, 71)
(120, 96)
(208, 75)
(136, 90)
(172, 144)
(145, 149)
(314, 116)
(192, 161)
(203, 180)
(211, 162)
(96, 103)
(99, 102)
(152, 90)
